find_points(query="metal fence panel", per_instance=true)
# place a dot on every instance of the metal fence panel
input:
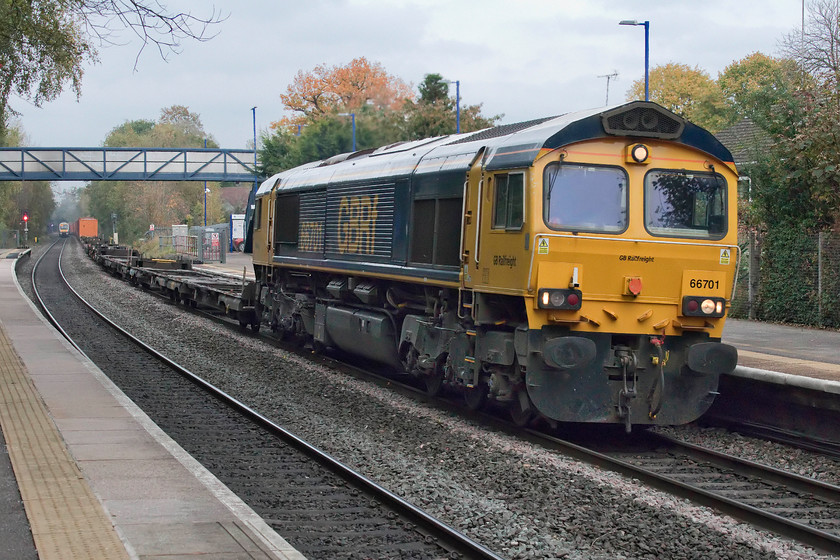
(789, 277)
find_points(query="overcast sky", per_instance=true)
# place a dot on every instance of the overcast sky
(524, 59)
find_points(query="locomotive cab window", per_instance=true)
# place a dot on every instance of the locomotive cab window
(682, 204)
(509, 205)
(585, 198)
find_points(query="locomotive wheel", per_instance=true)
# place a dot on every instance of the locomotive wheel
(434, 380)
(522, 410)
(434, 383)
(475, 397)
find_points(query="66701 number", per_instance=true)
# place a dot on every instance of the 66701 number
(703, 284)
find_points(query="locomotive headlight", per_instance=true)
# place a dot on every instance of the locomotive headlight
(559, 299)
(698, 306)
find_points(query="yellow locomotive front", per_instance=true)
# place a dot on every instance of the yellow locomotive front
(575, 268)
(624, 249)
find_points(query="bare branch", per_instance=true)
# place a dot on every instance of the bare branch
(148, 20)
(817, 47)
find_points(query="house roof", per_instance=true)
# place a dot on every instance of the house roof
(745, 140)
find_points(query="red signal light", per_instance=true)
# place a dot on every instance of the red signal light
(25, 217)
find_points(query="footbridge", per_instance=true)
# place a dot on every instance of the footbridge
(126, 164)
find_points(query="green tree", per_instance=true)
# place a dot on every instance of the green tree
(434, 113)
(36, 197)
(688, 92)
(140, 203)
(806, 192)
(434, 89)
(763, 89)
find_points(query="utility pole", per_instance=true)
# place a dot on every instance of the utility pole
(609, 77)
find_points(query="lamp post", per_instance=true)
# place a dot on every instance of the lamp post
(457, 104)
(353, 121)
(646, 25)
(254, 112)
(205, 192)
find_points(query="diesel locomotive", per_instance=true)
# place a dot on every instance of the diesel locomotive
(575, 268)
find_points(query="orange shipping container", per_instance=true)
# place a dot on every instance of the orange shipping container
(87, 227)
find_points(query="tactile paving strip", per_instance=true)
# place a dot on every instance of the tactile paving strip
(67, 520)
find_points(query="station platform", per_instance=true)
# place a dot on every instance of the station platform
(798, 351)
(236, 264)
(85, 474)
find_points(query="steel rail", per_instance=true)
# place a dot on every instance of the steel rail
(820, 540)
(449, 537)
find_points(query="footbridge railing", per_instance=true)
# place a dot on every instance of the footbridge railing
(126, 164)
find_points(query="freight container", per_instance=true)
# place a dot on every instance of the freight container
(86, 227)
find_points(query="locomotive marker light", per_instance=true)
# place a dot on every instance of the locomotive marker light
(638, 153)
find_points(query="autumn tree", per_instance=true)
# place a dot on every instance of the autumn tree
(44, 44)
(688, 92)
(319, 131)
(329, 90)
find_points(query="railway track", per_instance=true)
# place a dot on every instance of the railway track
(800, 511)
(322, 507)
(797, 507)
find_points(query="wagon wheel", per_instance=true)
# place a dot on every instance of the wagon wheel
(476, 396)
(521, 409)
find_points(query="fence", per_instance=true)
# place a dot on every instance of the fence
(789, 277)
(207, 244)
(9, 238)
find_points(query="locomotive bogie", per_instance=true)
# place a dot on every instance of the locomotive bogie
(578, 268)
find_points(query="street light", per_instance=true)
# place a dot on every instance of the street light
(254, 112)
(457, 104)
(646, 24)
(353, 120)
(205, 192)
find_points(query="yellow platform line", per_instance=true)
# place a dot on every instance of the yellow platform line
(67, 520)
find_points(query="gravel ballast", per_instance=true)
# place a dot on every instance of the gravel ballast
(514, 497)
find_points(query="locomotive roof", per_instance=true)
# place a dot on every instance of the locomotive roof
(502, 147)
